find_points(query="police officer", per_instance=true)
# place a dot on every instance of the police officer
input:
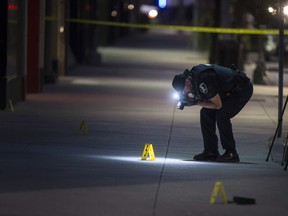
(221, 92)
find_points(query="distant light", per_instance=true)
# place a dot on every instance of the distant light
(285, 10)
(162, 3)
(12, 6)
(114, 13)
(130, 6)
(153, 14)
(61, 29)
(272, 10)
(150, 11)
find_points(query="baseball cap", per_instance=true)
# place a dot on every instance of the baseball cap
(178, 82)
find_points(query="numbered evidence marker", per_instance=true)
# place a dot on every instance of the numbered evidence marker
(84, 127)
(218, 187)
(148, 151)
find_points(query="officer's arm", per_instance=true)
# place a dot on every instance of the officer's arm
(213, 103)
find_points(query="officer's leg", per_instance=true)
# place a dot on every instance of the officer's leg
(231, 106)
(208, 128)
(225, 129)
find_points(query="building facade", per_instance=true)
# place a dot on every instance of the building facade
(40, 39)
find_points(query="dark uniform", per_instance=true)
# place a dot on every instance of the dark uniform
(235, 90)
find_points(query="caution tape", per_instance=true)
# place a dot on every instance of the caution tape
(176, 27)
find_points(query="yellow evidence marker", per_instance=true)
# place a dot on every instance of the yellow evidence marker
(218, 186)
(148, 150)
(84, 127)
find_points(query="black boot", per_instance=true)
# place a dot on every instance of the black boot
(229, 156)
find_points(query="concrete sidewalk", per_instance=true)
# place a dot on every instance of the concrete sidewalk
(48, 166)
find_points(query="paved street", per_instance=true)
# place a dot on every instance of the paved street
(49, 166)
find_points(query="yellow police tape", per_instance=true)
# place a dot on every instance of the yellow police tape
(177, 27)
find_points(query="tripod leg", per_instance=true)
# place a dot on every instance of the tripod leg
(271, 146)
(278, 126)
(284, 151)
(285, 168)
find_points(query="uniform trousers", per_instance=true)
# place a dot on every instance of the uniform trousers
(209, 118)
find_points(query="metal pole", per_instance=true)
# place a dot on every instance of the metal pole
(281, 65)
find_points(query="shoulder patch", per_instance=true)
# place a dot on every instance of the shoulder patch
(203, 88)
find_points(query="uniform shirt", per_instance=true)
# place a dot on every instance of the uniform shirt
(214, 79)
